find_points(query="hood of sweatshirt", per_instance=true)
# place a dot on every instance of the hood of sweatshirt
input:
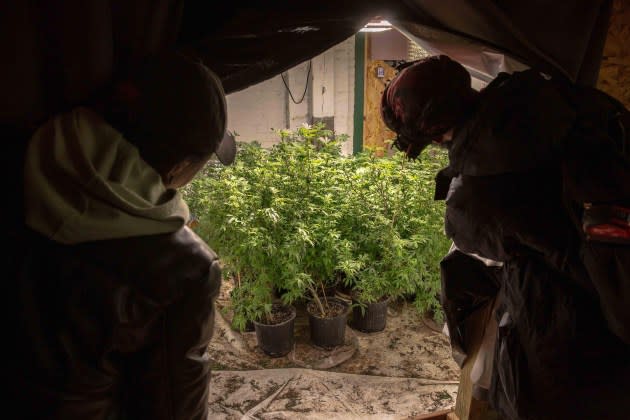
(84, 182)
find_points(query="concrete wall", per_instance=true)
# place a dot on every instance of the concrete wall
(255, 112)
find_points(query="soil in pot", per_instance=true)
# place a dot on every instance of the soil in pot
(328, 330)
(372, 317)
(274, 334)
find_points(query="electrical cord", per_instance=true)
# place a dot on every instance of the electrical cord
(286, 85)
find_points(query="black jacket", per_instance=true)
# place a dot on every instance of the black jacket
(535, 151)
(113, 329)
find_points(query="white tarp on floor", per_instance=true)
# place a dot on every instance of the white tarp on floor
(297, 393)
(400, 372)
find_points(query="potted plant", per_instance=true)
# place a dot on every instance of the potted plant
(396, 230)
(250, 301)
(315, 249)
(272, 216)
(274, 331)
(299, 216)
(273, 321)
(327, 318)
(242, 314)
(236, 221)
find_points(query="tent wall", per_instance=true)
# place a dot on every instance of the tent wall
(61, 53)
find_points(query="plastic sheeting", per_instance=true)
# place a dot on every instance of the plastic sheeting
(482, 61)
(63, 52)
(394, 374)
(306, 394)
(468, 284)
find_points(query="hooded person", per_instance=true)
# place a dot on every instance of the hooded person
(115, 293)
(538, 183)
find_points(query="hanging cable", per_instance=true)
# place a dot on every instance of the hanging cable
(286, 85)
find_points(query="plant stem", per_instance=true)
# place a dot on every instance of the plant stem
(317, 301)
(321, 283)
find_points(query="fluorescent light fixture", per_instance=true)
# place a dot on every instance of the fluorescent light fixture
(377, 26)
(374, 29)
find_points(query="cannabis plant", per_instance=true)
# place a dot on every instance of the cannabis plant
(395, 227)
(296, 216)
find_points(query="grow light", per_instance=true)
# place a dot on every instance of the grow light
(377, 26)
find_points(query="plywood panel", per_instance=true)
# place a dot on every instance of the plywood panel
(614, 74)
(375, 133)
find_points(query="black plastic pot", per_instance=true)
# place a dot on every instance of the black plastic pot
(276, 340)
(373, 319)
(327, 332)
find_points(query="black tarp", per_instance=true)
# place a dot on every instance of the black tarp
(58, 52)
(525, 169)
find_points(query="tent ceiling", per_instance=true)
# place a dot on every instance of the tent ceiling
(560, 38)
(63, 51)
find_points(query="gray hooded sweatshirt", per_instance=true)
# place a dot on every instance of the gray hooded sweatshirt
(84, 182)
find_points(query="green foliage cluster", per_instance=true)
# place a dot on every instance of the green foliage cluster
(299, 216)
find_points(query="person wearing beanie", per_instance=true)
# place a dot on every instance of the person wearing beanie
(115, 294)
(537, 197)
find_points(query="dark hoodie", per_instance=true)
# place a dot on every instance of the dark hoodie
(526, 161)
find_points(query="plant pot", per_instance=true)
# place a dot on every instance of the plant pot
(373, 319)
(328, 332)
(276, 340)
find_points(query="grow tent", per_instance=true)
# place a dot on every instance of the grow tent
(60, 53)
